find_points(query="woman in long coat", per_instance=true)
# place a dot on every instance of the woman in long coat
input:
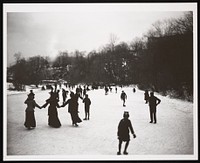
(30, 116)
(73, 109)
(53, 120)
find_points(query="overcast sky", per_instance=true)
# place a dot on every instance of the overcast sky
(42, 31)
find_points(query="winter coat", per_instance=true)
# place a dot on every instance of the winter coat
(123, 129)
(146, 96)
(53, 104)
(31, 104)
(123, 96)
(87, 102)
(72, 105)
(153, 102)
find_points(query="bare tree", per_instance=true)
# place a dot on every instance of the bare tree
(112, 41)
(185, 23)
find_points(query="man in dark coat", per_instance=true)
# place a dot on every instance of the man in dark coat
(123, 132)
(153, 102)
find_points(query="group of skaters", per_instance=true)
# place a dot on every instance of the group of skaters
(152, 100)
(53, 103)
(124, 126)
(109, 88)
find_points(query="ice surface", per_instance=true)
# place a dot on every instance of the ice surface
(172, 135)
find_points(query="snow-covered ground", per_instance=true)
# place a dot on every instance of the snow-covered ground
(171, 138)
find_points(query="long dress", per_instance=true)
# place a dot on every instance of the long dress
(30, 116)
(73, 110)
(53, 120)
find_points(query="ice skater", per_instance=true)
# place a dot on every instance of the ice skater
(123, 97)
(106, 90)
(153, 102)
(110, 88)
(123, 133)
(146, 96)
(134, 90)
(73, 109)
(87, 103)
(53, 120)
(84, 91)
(30, 116)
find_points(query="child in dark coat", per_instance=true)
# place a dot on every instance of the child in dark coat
(123, 132)
(87, 103)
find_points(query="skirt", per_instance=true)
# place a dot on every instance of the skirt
(30, 119)
(75, 118)
(54, 121)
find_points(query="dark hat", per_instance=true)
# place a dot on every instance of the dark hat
(71, 94)
(152, 93)
(31, 92)
(126, 114)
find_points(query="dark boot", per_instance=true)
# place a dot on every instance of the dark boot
(125, 153)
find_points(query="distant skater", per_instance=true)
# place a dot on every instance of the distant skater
(57, 94)
(123, 97)
(53, 120)
(87, 103)
(84, 91)
(153, 102)
(30, 116)
(146, 96)
(134, 90)
(123, 133)
(115, 89)
(110, 88)
(106, 90)
(64, 95)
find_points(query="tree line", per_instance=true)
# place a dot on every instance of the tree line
(162, 60)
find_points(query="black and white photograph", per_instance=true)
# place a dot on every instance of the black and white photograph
(100, 81)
